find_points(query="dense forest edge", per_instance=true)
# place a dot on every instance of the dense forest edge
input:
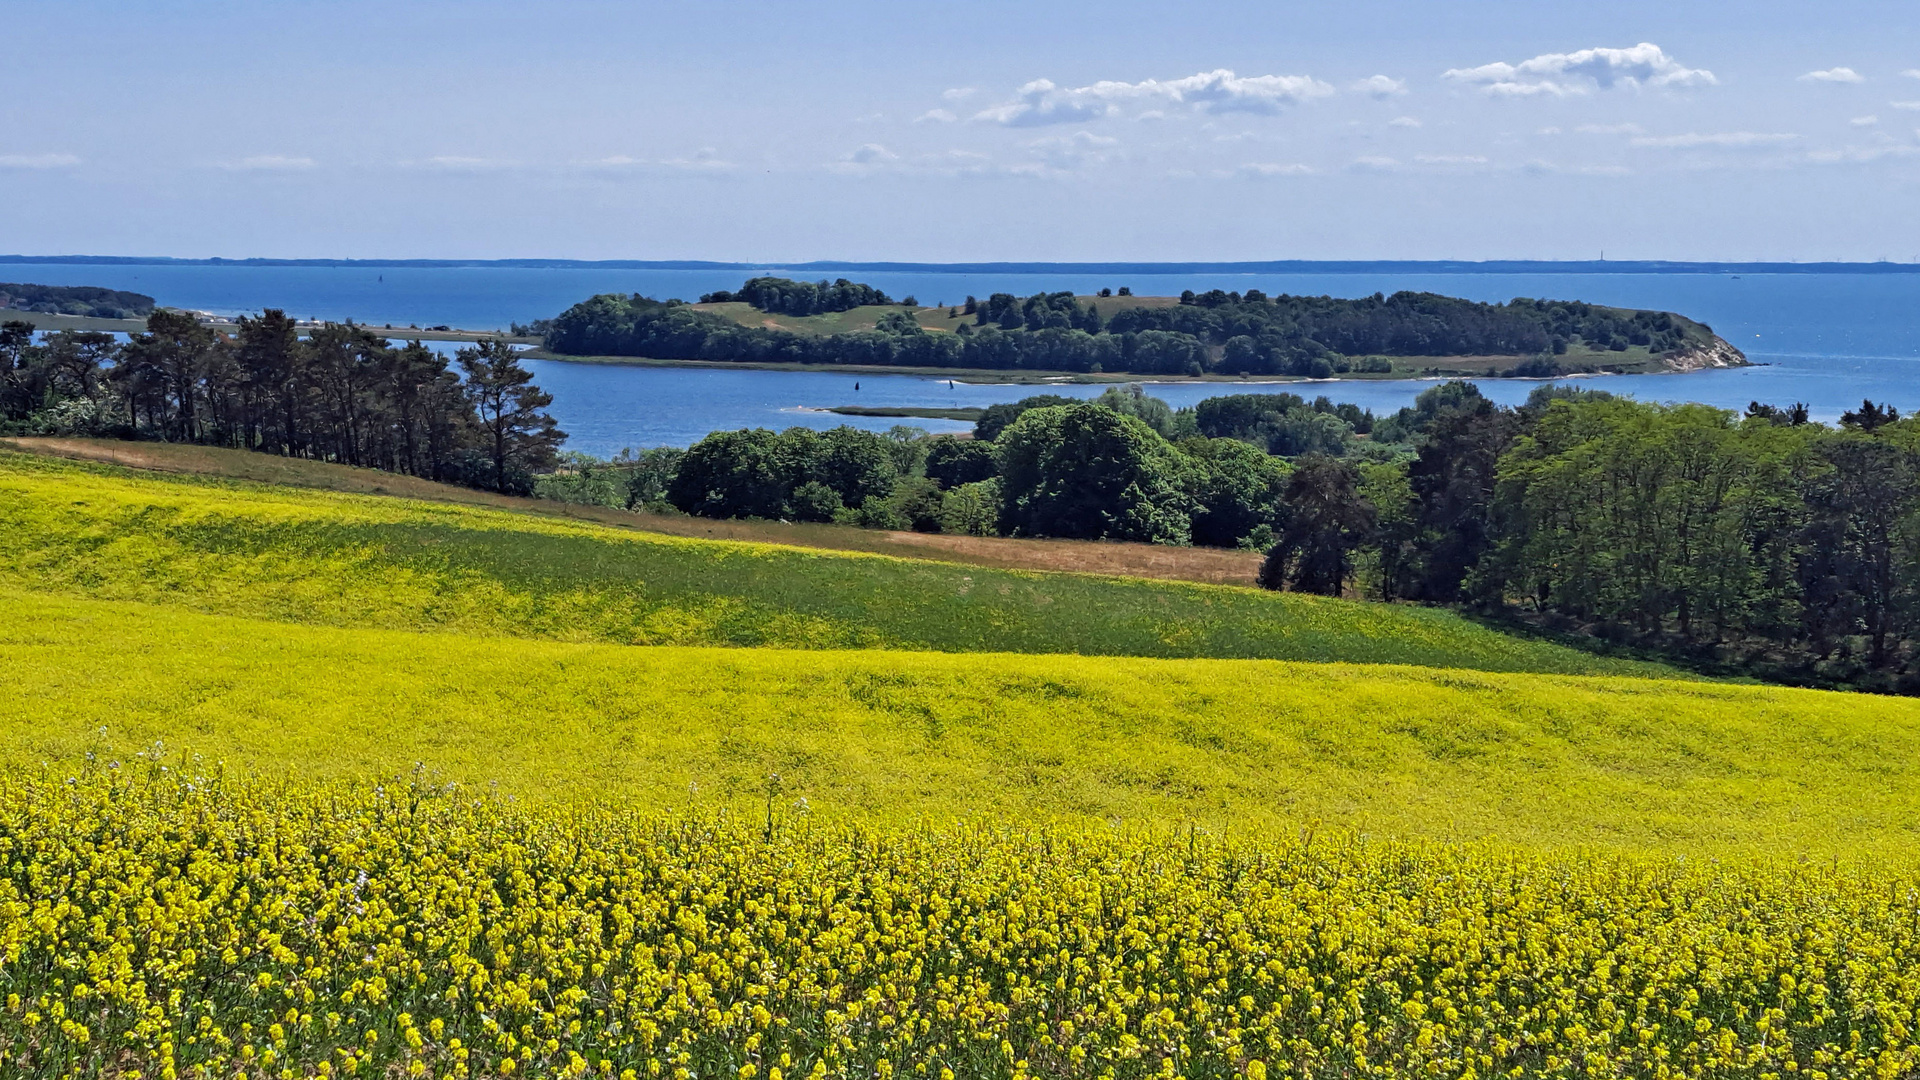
(1217, 332)
(339, 393)
(1762, 544)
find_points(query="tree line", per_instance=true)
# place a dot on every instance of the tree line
(1222, 332)
(1123, 466)
(1759, 542)
(1762, 541)
(342, 393)
(786, 297)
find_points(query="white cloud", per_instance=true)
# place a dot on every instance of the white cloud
(269, 163)
(958, 93)
(1403, 122)
(1450, 159)
(936, 116)
(1910, 106)
(1040, 102)
(1272, 168)
(1730, 139)
(1912, 73)
(1380, 86)
(37, 161)
(1611, 129)
(1375, 163)
(1834, 75)
(1864, 121)
(1072, 151)
(1560, 74)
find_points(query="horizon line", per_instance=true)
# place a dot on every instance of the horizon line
(1324, 266)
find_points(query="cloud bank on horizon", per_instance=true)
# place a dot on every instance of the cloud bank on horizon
(1220, 91)
(1560, 74)
(1255, 133)
(1214, 95)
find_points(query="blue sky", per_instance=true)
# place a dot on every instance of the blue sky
(983, 130)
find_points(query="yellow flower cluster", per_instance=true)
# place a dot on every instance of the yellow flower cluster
(158, 926)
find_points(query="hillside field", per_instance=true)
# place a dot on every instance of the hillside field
(340, 559)
(1214, 566)
(300, 782)
(1248, 747)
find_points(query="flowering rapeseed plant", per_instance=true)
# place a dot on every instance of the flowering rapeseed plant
(160, 924)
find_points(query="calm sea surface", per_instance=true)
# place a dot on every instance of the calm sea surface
(1826, 339)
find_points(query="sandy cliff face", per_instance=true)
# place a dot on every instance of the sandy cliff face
(1719, 354)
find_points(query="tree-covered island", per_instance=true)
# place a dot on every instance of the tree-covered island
(83, 301)
(1216, 333)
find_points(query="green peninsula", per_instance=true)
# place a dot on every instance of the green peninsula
(1214, 334)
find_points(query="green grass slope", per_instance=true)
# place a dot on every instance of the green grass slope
(1248, 747)
(1213, 566)
(351, 560)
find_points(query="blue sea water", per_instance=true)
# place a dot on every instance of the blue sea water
(1827, 339)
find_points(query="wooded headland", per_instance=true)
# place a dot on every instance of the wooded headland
(1216, 333)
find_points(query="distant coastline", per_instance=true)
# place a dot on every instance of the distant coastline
(1284, 266)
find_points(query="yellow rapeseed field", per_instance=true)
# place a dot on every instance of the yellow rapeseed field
(161, 924)
(1242, 746)
(306, 785)
(361, 560)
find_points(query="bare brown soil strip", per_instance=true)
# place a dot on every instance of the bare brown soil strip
(1216, 566)
(1210, 565)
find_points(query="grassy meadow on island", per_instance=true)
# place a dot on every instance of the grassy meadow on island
(350, 726)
